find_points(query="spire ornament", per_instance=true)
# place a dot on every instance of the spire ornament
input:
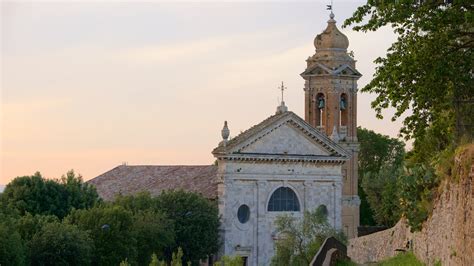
(225, 132)
(329, 7)
(282, 107)
(282, 88)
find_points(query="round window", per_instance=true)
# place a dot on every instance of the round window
(243, 214)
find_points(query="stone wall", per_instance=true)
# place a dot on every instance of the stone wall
(447, 236)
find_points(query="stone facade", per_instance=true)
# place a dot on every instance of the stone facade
(331, 106)
(282, 151)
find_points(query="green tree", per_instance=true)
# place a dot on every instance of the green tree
(153, 233)
(428, 70)
(300, 239)
(60, 244)
(139, 202)
(382, 194)
(377, 154)
(111, 228)
(37, 195)
(80, 195)
(152, 230)
(12, 247)
(28, 225)
(196, 223)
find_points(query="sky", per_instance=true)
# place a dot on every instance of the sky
(91, 85)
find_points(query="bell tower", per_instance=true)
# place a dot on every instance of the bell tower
(331, 107)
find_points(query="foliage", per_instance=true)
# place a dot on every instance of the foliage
(383, 194)
(125, 263)
(426, 167)
(155, 262)
(377, 150)
(37, 195)
(83, 230)
(28, 225)
(193, 221)
(378, 156)
(153, 233)
(63, 244)
(80, 195)
(177, 257)
(111, 228)
(229, 261)
(417, 187)
(406, 259)
(300, 238)
(139, 202)
(12, 248)
(428, 70)
(196, 223)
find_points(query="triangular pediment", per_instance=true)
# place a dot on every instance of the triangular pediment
(320, 69)
(347, 70)
(282, 136)
(285, 139)
(317, 69)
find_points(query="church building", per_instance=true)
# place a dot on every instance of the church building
(283, 165)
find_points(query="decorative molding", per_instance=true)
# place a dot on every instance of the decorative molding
(283, 158)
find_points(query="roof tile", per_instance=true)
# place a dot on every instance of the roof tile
(127, 180)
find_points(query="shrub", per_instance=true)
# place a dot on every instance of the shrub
(12, 248)
(63, 244)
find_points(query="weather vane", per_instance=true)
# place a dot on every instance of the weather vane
(282, 88)
(330, 7)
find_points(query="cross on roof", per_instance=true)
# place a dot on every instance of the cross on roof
(282, 88)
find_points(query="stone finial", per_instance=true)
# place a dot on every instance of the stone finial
(225, 132)
(335, 136)
(281, 108)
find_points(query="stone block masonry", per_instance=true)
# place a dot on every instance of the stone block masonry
(447, 236)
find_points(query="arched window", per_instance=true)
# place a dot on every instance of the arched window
(283, 199)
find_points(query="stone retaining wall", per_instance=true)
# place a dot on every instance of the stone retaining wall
(447, 236)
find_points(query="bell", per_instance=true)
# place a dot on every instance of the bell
(321, 103)
(343, 104)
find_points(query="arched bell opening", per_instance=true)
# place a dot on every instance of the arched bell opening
(343, 109)
(320, 110)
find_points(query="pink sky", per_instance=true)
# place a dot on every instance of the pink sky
(87, 86)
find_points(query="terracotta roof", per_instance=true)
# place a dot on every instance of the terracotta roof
(131, 179)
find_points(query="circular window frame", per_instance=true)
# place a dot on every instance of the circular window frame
(245, 208)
